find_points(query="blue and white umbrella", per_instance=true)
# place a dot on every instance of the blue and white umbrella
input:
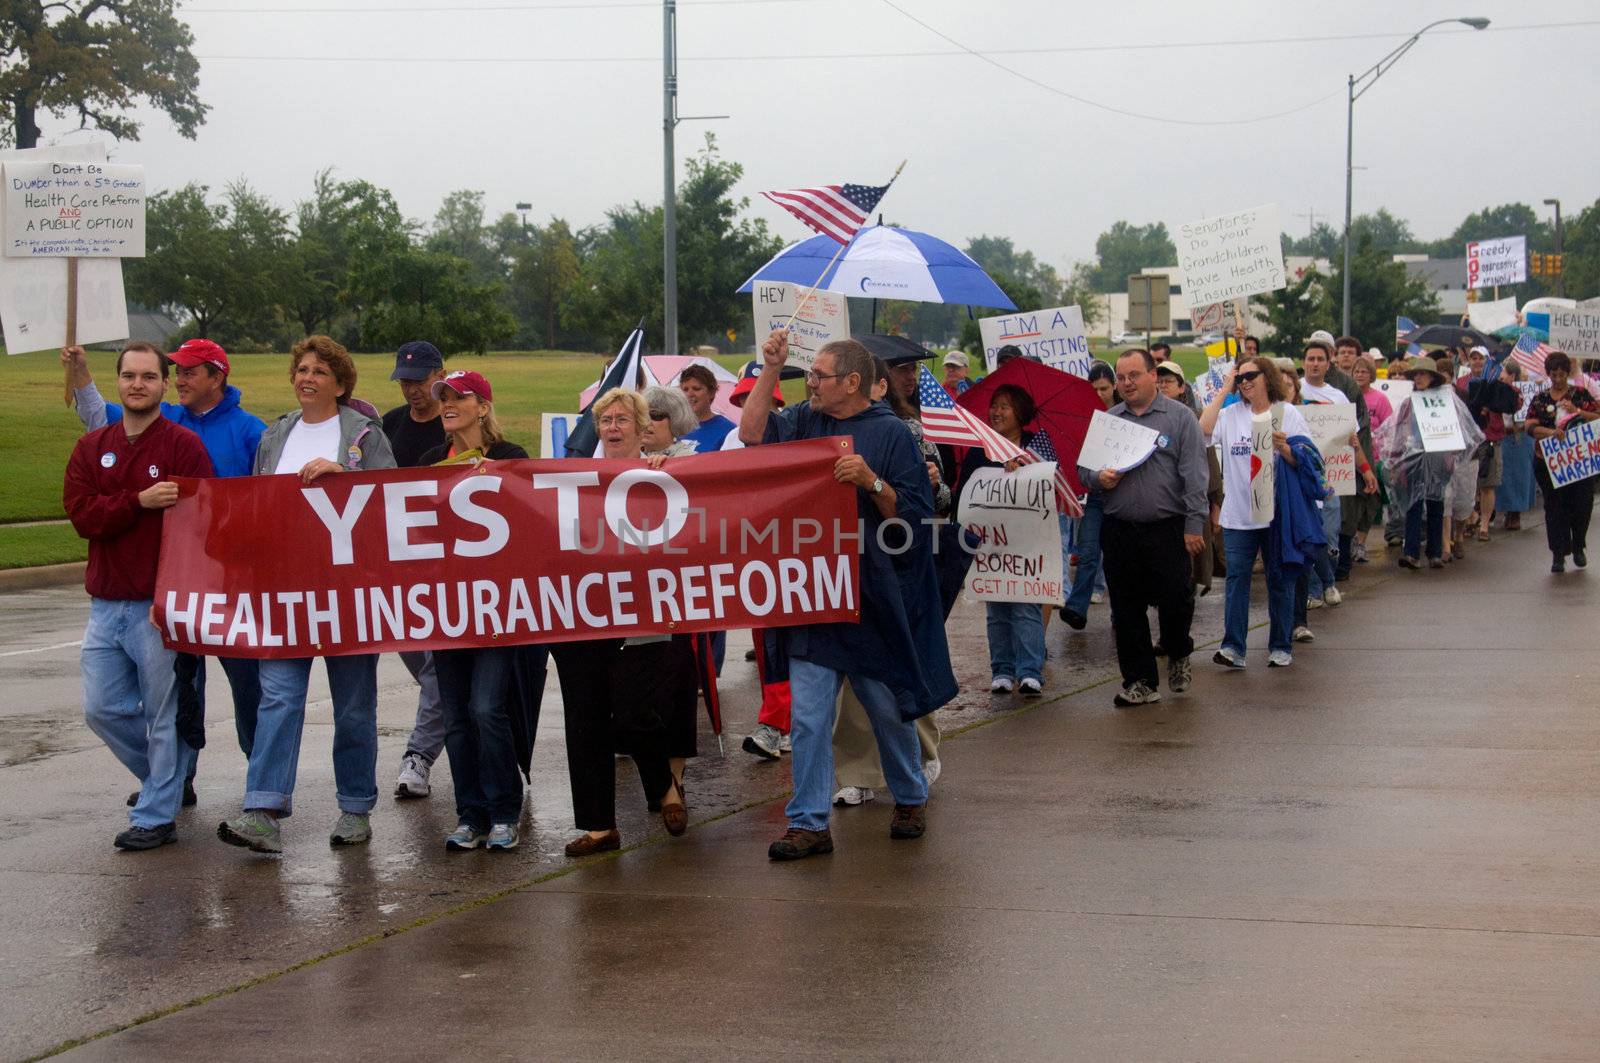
(884, 262)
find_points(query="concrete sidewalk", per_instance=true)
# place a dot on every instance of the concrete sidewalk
(1386, 851)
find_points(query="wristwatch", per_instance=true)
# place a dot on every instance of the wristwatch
(877, 486)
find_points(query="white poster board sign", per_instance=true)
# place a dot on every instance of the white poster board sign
(1231, 256)
(825, 318)
(1574, 456)
(1576, 331)
(1263, 466)
(1115, 443)
(1396, 389)
(61, 208)
(1013, 515)
(1056, 337)
(1489, 318)
(33, 291)
(1331, 426)
(1527, 389)
(1492, 262)
(1435, 410)
(554, 428)
(1207, 384)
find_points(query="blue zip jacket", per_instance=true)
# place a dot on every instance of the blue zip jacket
(1296, 522)
(229, 431)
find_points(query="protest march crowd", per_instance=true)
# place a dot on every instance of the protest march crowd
(1237, 477)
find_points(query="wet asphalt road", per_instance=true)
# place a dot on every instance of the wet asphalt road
(1386, 851)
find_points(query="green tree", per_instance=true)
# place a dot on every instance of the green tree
(545, 271)
(1126, 249)
(1384, 233)
(1322, 242)
(221, 264)
(1380, 291)
(1582, 250)
(345, 236)
(433, 295)
(97, 59)
(458, 229)
(1296, 311)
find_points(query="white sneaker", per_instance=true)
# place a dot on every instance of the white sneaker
(1030, 688)
(786, 744)
(1001, 684)
(503, 837)
(1332, 596)
(931, 770)
(1279, 659)
(853, 795)
(1302, 634)
(1097, 598)
(1313, 603)
(765, 742)
(413, 781)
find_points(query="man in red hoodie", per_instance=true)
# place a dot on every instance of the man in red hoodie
(119, 480)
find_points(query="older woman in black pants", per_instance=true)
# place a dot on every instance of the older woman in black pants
(1566, 509)
(622, 695)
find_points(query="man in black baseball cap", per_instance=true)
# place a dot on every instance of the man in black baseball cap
(414, 429)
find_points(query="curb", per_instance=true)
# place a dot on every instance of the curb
(42, 576)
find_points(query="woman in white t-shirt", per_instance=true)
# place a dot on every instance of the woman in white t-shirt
(1257, 382)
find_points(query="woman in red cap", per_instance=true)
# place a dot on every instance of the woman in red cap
(475, 684)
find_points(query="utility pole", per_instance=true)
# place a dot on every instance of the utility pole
(1311, 221)
(669, 202)
(1561, 277)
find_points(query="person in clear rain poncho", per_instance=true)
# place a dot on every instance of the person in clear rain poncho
(1420, 479)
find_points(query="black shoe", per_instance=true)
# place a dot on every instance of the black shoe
(1559, 564)
(1580, 559)
(1159, 650)
(139, 838)
(1076, 621)
(1410, 562)
(750, 654)
(190, 798)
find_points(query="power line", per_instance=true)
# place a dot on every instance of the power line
(570, 5)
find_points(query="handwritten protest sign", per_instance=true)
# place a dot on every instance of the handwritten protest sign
(1492, 262)
(825, 318)
(1115, 443)
(1435, 410)
(33, 291)
(60, 208)
(1056, 337)
(1013, 516)
(1231, 256)
(1527, 389)
(1395, 389)
(1574, 456)
(1576, 331)
(1263, 465)
(1207, 384)
(1331, 426)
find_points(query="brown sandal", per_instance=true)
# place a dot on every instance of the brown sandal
(675, 817)
(588, 844)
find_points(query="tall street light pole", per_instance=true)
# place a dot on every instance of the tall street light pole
(1561, 278)
(1366, 80)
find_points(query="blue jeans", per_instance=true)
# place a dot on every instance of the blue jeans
(474, 692)
(244, 681)
(814, 700)
(1322, 574)
(1434, 511)
(130, 699)
(1241, 546)
(427, 735)
(1016, 639)
(1086, 541)
(275, 756)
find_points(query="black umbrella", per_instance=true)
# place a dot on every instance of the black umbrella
(895, 350)
(1450, 336)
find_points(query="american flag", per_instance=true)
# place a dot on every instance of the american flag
(835, 211)
(1402, 326)
(945, 422)
(1529, 353)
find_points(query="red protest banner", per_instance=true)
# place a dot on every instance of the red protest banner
(510, 552)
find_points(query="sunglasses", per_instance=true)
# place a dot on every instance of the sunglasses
(1245, 378)
(658, 415)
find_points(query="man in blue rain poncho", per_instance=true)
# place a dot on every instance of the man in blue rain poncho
(896, 658)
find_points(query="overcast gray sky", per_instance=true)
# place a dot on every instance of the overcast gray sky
(446, 96)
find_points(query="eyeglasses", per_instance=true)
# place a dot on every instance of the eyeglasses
(1245, 378)
(659, 415)
(814, 378)
(617, 421)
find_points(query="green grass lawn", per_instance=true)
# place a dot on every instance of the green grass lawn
(40, 544)
(38, 429)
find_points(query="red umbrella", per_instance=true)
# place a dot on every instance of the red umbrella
(705, 667)
(1065, 403)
